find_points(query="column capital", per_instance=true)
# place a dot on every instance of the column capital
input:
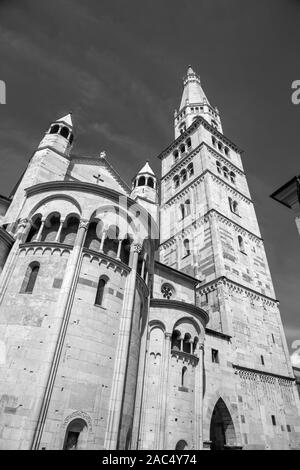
(23, 223)
(84, 223)
(136, 247)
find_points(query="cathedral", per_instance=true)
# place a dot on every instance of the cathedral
(141, 317)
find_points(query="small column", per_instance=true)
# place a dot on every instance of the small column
(102, 241)
(39, 234)
(143, 265)
(57, 238)
(121, 360)
(161, 444)
(63, 311)
(198, 394)
(119, 249)
(191, 346)
(181, 343)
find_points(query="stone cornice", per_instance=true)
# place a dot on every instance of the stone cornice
(6, 237)
(175, 272)
(232, 189)
(197, 223)
(218, 334)
(110, 261)
(200, 120)
(259, 372)
(178, 305)
(236, 286)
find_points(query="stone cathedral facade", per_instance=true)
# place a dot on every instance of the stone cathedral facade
(141, 317)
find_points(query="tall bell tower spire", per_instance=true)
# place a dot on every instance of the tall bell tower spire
(194, 103)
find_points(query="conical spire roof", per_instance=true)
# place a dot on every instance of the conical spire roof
(192, 91)
(67, 119)
(146, 169)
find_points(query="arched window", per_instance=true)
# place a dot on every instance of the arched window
(75, 434)
(141, 181)
(181, 445)
(51, 227)
(100, 291)
(183, 376)
(219, 167)
(226, 150)
(187, 207)
(175, 155)
(93, 236)
(182, 212)
(232, 177)
(30, 278)
(176, 181)
(34, 229)
(150, 183)
(54, 129)
(182, 148)
(241, 244)
(190, 169)
(220, 146)
(111, 242)
(187, 343)
(213, 123)
(175, 342)
(183, 175)
(186, 245)
(188, 142)
(167, 291)
(71, 138)
(225, 171)
(64, 132)
(235, 207)
(69, 230)
(214, 141)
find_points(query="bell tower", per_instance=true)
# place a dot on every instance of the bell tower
(145, 190)
(209, 231)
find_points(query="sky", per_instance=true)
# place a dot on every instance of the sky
(118, 67)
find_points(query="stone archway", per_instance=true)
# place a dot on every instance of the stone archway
(222, 432)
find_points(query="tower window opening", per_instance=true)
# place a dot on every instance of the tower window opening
(100, 291)
(220, 146)
(183, 376)
(182, 211)
(30, 278)
(141, 181)
(175, 155)
(71, 138)
(226, 150)
(54, 129)
(262, 360)
(225, 172)
(187, 207)
(188, 142)
(232, 177)
(241, 244)
(214, 141)
(190, 169)
(175, 341)
(186, 245)
(150, 183)
(176, 181)
(215, 356)
(183, 175)
(182, 148)
(64, 132)
(273, 420)
(213, 123)
(233, 205)
(219, 167)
